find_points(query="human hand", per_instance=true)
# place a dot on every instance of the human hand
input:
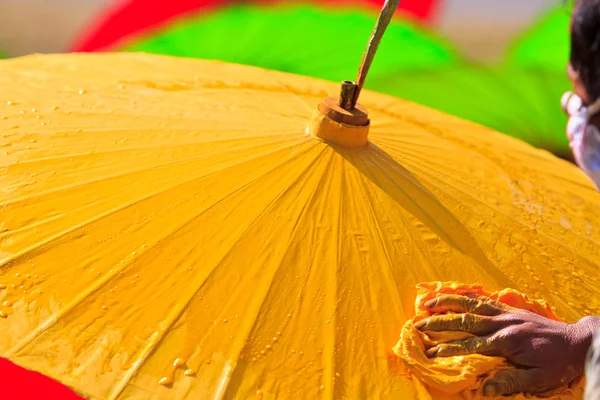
(548, 354)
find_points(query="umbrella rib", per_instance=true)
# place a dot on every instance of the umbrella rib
(497, 198)
(41, 222)
(294, 94)
(228, 374)
(162, 147)
(467, 246)
(391, 282)
(521, 223)
(417, 242)
(286, 144)
(231, 368)
(32, 248)
(433, 225)
(158, 147)
(379, 230)
(464, 144)
(331, 328)
(102, 282)
(391, 143)
(443, 169)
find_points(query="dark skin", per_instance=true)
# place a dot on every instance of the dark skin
(577, 84)
(548, 354)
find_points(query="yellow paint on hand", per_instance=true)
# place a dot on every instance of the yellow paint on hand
(464, 376)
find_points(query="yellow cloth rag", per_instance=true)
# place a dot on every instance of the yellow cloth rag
(463, 376)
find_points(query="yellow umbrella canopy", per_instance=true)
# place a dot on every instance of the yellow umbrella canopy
(170, 228)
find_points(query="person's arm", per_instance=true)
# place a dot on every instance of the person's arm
(548, 353)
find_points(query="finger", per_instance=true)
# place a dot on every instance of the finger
(474, 345)
(464, 304)
(517, 381)
(471, 323)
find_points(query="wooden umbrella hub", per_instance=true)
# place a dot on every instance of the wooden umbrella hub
(358, 116)
(343, 121)
(345, 126)
(343, 110)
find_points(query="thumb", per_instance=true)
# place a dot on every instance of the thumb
(514, 381)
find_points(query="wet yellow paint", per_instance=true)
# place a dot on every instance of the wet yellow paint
(464, 376)
(169, 229)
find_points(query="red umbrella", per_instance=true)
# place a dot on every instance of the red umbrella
(128, 18)
(22, 384)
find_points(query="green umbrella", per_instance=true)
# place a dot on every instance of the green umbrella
(520, 102)
(544, 51)
(545, 45)
(518, 99)
(290, 38)
(411, 64)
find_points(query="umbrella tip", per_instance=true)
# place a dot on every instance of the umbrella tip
(347, 95)
(344, 110)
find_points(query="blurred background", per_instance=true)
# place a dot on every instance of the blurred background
(480, 28)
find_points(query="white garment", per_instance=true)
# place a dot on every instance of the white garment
(592, 371)
(584, 138)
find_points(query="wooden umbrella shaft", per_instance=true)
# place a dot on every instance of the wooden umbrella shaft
(385, 17)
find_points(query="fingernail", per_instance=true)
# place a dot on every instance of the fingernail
(432, 352)
(430, 303)
(490, 390)
(421, 324)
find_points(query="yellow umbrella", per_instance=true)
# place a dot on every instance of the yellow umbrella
(175, 229)
(169, 228)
